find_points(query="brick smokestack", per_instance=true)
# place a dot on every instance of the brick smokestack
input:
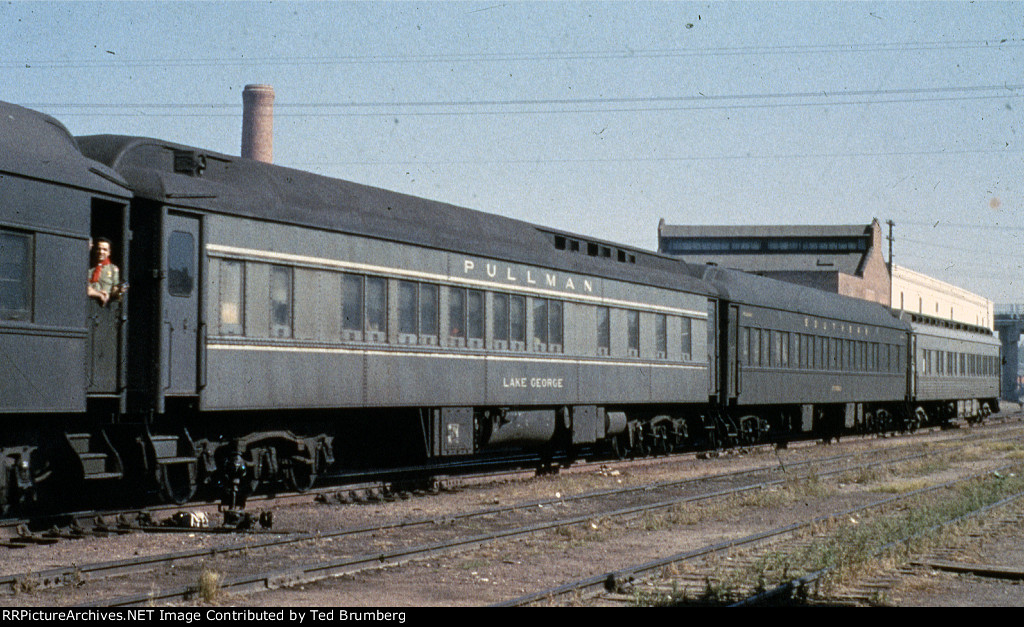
(258, 123)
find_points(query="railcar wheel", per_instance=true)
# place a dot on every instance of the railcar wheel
(300, 475)
(620, 446)
(919, 418)
(750, 430)
(661, 444)
(178, 483)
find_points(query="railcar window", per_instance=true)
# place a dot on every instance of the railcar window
(456, 316)
(232, 295)
(352, 306)
(633, 332)
(604, 331)
(547, 325)
(798, 350)
(517, 322)
(376, 309)
(744, 344)
(661, 335)
(509, 322)
(428, 312)
(408, 308)
(540, 324)
(687, 338)
(783, 349)
(15, 276)
(555, 320)
(499, 313)
(417, 312)
(280, 301)
(181, 265)
(475, 318)
(755, 347)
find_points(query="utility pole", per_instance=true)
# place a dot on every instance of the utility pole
(891, 224)
(891, 289)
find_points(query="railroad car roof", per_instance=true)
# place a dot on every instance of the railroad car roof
(950, 330)
(764, 292)
(35, 145)
(190, 177)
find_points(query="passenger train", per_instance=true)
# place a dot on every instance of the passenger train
(280, 325)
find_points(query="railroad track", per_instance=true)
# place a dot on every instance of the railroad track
(702, 583)
(459, 530)
(354, 488)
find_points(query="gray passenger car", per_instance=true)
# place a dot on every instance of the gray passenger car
(286, 318)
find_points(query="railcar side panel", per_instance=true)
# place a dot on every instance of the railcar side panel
(44, 230)
(789, 357)
(419, 327)
(953, 364)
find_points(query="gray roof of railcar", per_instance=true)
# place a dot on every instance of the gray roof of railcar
(950, 330)
(247, 188)
(35, 145)
(764, 292)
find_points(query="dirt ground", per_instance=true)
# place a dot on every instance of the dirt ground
(504, 570)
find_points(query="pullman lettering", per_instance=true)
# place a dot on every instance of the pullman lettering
(542, 278)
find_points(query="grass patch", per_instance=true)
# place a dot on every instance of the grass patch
(209, 585)
(847, 547)
(903, 486)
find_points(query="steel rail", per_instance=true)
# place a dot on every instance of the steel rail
(612, 580)
(58, 576)
(795, 586)
(307, 573)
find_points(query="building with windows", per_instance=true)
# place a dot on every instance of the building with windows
(844, 259)
(927, 296)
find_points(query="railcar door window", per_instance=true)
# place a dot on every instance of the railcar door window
(15, 276)
(181, 270)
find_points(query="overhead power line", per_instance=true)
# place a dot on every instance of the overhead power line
(509, 56)
(684, 158)
(551, 106)
(1003, 90)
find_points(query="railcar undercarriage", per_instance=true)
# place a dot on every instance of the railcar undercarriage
(233, 456)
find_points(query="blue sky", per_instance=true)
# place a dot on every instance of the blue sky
(599, 118)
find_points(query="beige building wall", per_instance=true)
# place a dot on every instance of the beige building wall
(922, 294)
